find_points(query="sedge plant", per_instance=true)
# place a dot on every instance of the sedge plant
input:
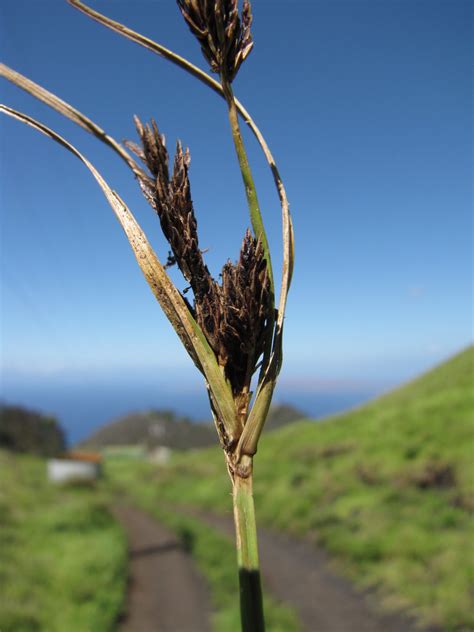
(232, 329)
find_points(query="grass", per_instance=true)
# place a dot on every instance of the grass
(62, 556)
(213, 553)
(386, 488)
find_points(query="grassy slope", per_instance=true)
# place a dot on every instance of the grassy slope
(386, 488)
(62, 557)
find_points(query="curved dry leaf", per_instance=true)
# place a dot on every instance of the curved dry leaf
(68, 111)
(165, 292)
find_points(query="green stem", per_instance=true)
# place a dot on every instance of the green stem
(254, 209)
(251, 604)
(249, 184)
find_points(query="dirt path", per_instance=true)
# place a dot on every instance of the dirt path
(166, 593)
(297, 573)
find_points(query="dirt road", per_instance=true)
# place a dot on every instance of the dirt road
(166, 593)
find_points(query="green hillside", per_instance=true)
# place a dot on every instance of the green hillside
(23, 430)
(386, 488)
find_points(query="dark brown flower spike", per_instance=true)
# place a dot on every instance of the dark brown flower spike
(171, 199)
(224, 36)
(233, 315)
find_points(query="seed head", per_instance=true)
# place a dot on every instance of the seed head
(246, 298)
(233, 314)
(224, 36)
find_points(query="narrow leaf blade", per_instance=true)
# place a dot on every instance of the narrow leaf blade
(166, 293)
(66, 110)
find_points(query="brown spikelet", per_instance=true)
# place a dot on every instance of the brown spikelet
(171, 199)
(224, 36)
(235, 314)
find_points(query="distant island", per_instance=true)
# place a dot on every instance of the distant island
(154, 428)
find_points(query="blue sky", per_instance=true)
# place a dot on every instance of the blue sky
(367, 107)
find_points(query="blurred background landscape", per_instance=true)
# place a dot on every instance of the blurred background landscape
(385, 489)
(367, 455)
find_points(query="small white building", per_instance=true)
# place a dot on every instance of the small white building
(160, 455)
(75, 467)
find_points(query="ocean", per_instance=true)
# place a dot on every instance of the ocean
(81, 406)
